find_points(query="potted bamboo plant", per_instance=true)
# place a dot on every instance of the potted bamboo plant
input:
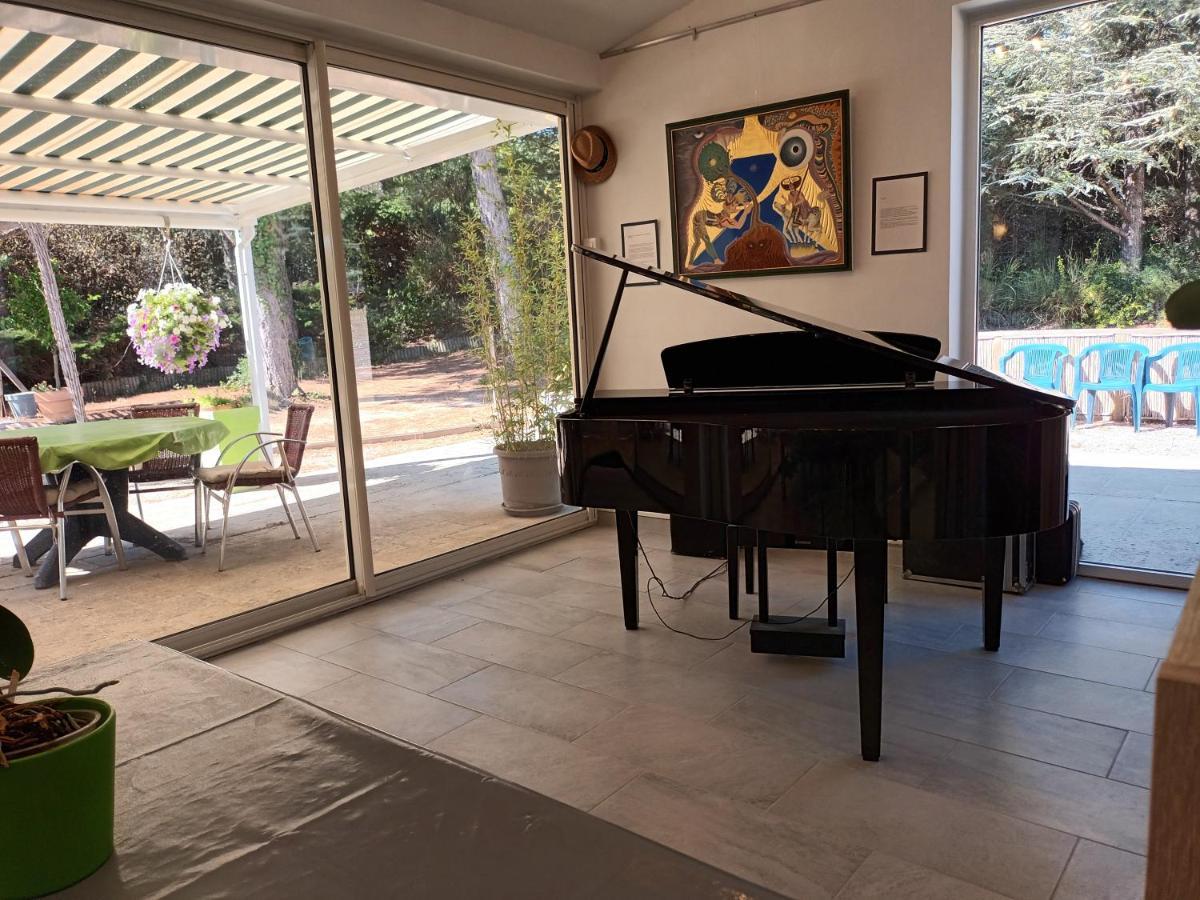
(57, 765)
(512, 272)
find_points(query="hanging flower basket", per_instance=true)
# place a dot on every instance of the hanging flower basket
(174, 327)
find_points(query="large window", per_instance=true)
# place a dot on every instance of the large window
(1089, 124)
(174, 293)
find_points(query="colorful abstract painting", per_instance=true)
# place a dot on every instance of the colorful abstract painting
(762, 191)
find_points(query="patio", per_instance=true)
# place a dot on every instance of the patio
(425, 501)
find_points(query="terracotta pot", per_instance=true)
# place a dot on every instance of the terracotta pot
(55, 405)
(529, 481)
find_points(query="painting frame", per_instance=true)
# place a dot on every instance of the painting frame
(841, 213)
(923, 246)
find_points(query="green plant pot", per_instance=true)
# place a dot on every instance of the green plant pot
(56, 811)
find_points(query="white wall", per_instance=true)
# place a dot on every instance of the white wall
(894, 56)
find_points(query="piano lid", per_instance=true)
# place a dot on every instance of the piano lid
(860, 340)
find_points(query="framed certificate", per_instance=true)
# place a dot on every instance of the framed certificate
(639, 244)
(898, 207)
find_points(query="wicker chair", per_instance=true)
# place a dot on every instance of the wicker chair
(168, 471)
(221, 481)
(25, 501)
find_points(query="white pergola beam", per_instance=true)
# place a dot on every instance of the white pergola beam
(54, 106)
(180, 172)
(86, 209)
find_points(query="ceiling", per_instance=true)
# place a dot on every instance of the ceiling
(587, 24)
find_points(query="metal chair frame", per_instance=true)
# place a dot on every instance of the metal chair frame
(171, 482)
(225, 495)
(59, 513)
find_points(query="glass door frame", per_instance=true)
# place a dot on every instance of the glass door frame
(966, 91)
(314, 57)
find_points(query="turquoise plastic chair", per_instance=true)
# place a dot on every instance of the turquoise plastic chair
(1041, 364)
(1185, 378)
(1118, 370)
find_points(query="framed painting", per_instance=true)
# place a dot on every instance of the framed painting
(763, 191)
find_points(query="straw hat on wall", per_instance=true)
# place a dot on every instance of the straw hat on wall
(594, 154)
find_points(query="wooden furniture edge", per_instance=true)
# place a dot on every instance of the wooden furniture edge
(1173, 864)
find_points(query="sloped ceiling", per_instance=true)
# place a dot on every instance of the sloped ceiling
(593, 25)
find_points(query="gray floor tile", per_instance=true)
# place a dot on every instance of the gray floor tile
(1062, 658)
(536, 760)
(511, 579)
(1103, 704)
(1112, 608)
(1133, 762)
(1063, 741)
(692, 752)
(532, 701)
(884, 876)
(1146, 640)
(390, 708)
(639, 681)
(523, 612)
(323, 637)
(285, 670)
(970, 842)
(650, 641)
(518, 648)
(1097, 872)
(1075, 802)
(799, 859)
(407, 663)
(423, 623)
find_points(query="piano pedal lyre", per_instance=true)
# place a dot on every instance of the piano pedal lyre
(823, 636)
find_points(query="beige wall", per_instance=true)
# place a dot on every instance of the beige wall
(894, 56)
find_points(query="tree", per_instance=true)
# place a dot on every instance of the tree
(58, 322)
(279, 333)
(1084, 107)
(497, 231)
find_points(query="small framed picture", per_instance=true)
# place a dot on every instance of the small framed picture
(639, 244)
(898, 207)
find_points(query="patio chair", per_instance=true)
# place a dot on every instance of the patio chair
(26, 501)
(1118, 370)
(1041, 364)
(221, 481)
(1184, 378)
(168, 471)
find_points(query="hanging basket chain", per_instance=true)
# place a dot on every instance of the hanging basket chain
(169, 266)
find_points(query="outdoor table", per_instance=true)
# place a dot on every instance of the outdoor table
(112, 446)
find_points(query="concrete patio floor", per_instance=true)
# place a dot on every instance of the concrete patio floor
(423, 503)
(1140, 495)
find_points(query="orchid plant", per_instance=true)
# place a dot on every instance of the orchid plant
(174, 327)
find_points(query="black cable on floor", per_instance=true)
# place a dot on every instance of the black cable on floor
(654, 579)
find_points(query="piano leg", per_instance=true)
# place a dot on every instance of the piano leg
(764, 593)
(731, 561)
(870, 590)
(993, 591)
(627, 554)
(749, 551)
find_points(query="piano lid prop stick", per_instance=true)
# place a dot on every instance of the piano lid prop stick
(608, 327)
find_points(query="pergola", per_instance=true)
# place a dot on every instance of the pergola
(104, 125)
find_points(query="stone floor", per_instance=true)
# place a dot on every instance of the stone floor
(1019, 774)
(422, 503)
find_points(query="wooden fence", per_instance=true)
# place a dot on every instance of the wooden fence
(148, 382)
(994, 344)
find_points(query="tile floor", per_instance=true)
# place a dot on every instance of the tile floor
(1021, 774)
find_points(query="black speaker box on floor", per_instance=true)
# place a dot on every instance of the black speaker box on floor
(1059, 549)
(697, 537)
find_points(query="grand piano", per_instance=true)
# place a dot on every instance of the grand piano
(826, 432)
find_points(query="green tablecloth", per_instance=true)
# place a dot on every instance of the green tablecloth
(121, 443)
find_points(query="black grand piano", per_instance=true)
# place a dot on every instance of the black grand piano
(825, 432)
